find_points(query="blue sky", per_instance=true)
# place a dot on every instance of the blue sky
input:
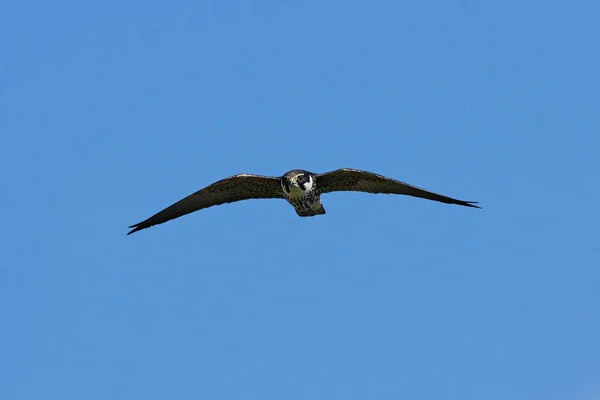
(110, 111)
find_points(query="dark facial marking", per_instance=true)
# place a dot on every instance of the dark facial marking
(302, 179)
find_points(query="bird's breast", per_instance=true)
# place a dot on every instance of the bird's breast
(302, 200)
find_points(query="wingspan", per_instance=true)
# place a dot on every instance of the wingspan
(347, 179)
(228, 190)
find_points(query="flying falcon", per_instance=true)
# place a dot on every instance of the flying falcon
(302, 189)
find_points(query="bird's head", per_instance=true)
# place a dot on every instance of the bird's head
(297, 182)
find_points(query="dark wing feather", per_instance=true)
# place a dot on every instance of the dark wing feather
(235, 188)
(347, 179)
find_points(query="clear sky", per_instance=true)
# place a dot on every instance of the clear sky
(110, 111)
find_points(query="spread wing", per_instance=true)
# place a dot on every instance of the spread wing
(347, 179)
(235, 188)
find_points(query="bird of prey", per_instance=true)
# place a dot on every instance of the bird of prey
(302, 189)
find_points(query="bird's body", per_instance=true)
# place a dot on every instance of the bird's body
(302, 189)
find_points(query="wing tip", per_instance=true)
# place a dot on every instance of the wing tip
(136, 227)
(470, 204)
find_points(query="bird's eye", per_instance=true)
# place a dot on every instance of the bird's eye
(299, 178)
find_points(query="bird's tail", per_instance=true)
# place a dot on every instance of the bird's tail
(311, 213)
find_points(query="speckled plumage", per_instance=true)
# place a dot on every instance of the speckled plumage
(302, 189)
